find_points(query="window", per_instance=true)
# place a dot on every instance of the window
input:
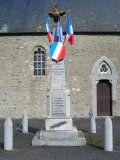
(39, 62)
(103, 68)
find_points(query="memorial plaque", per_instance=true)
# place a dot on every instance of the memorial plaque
(58, 74)
(58, 104)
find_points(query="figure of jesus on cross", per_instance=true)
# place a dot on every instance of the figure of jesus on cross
(56, 14)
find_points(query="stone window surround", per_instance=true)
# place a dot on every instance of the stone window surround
(95, 78)
(33, 49)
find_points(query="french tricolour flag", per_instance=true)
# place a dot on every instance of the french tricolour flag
(69, 32)
(57, 51)
(48, 30)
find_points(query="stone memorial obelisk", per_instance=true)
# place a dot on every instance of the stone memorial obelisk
(59, 129)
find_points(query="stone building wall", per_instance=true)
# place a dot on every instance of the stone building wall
(20, 89)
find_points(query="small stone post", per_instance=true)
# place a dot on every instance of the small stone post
(24, 122)
(8, 134)
(108, 135)
(92, 122)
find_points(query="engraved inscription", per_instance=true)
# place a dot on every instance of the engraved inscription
(58, 105)
(58, 74)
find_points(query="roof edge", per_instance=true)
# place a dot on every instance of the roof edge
(45, 33)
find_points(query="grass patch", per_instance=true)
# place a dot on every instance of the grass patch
(118, 143)
(91, 141)
(44, 145)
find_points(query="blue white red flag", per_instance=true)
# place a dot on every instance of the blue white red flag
(57, 51)
(48, 30)
(58, 33)
(69, 32)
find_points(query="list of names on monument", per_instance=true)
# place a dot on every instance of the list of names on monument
(58, 105)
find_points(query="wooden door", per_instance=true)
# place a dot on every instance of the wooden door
(104, 105)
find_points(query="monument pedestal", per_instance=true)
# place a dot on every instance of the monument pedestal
(59, 129)
(59, 138)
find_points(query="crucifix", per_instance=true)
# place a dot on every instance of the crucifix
(56, 14)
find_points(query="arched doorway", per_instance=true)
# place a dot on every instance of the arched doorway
(104, 73)
(104, 99)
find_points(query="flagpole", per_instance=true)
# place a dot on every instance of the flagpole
(64, 40)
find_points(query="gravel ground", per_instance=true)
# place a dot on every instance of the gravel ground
(93, 150)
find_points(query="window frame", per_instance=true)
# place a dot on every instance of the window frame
(39, 62)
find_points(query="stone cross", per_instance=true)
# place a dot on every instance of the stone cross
(58, 125)
(58, 96)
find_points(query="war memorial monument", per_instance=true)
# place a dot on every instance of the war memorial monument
(59, 129)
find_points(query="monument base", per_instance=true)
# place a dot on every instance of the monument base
(59, 138)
